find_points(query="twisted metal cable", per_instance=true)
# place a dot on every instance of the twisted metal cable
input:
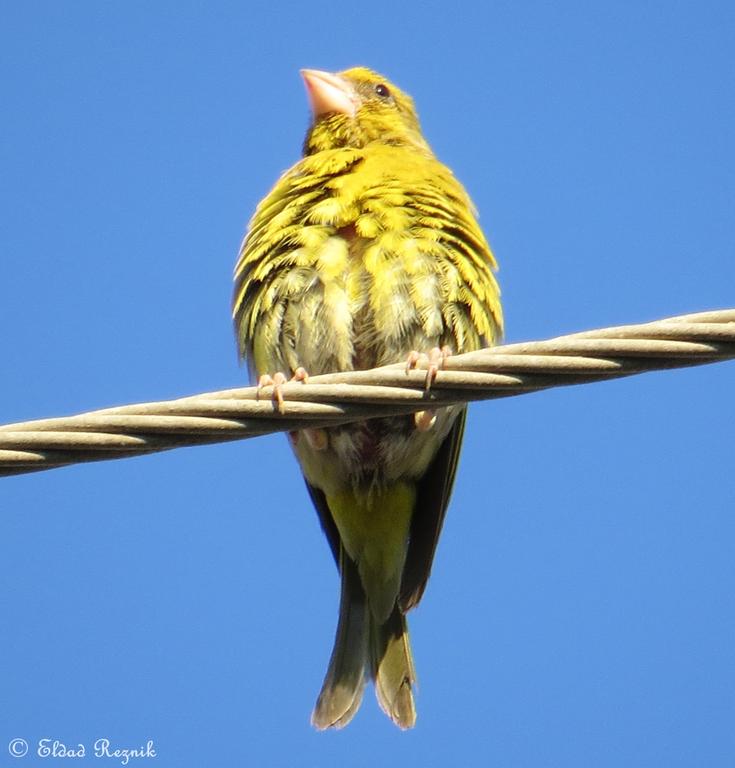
(338, 398)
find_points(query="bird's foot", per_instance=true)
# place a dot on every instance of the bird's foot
(436, 358)
(277, 380)
(424, 420)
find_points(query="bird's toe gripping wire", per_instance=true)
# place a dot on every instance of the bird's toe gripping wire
(436, 358)
(277, 380)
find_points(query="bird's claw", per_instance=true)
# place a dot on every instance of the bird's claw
(277, 380)
(435, 362)
(424, 420)
(300, 374)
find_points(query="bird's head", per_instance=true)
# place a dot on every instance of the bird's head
(357, 107)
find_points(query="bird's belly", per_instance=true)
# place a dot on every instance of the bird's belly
(371, 454)
(347, 301)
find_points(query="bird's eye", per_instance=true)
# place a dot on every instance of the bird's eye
(382, 90)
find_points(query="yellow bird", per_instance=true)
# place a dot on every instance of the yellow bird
(367, 252)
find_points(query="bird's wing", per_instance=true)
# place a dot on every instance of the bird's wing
(325, 518)
(432, 498)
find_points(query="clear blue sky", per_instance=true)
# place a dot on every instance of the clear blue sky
(581, 608)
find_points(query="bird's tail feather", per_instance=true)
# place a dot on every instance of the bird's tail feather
(364, 645)
(392, 669)
(341, 693)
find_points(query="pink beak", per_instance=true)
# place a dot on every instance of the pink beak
(329, 93)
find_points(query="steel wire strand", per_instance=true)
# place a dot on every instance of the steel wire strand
(338, 398)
